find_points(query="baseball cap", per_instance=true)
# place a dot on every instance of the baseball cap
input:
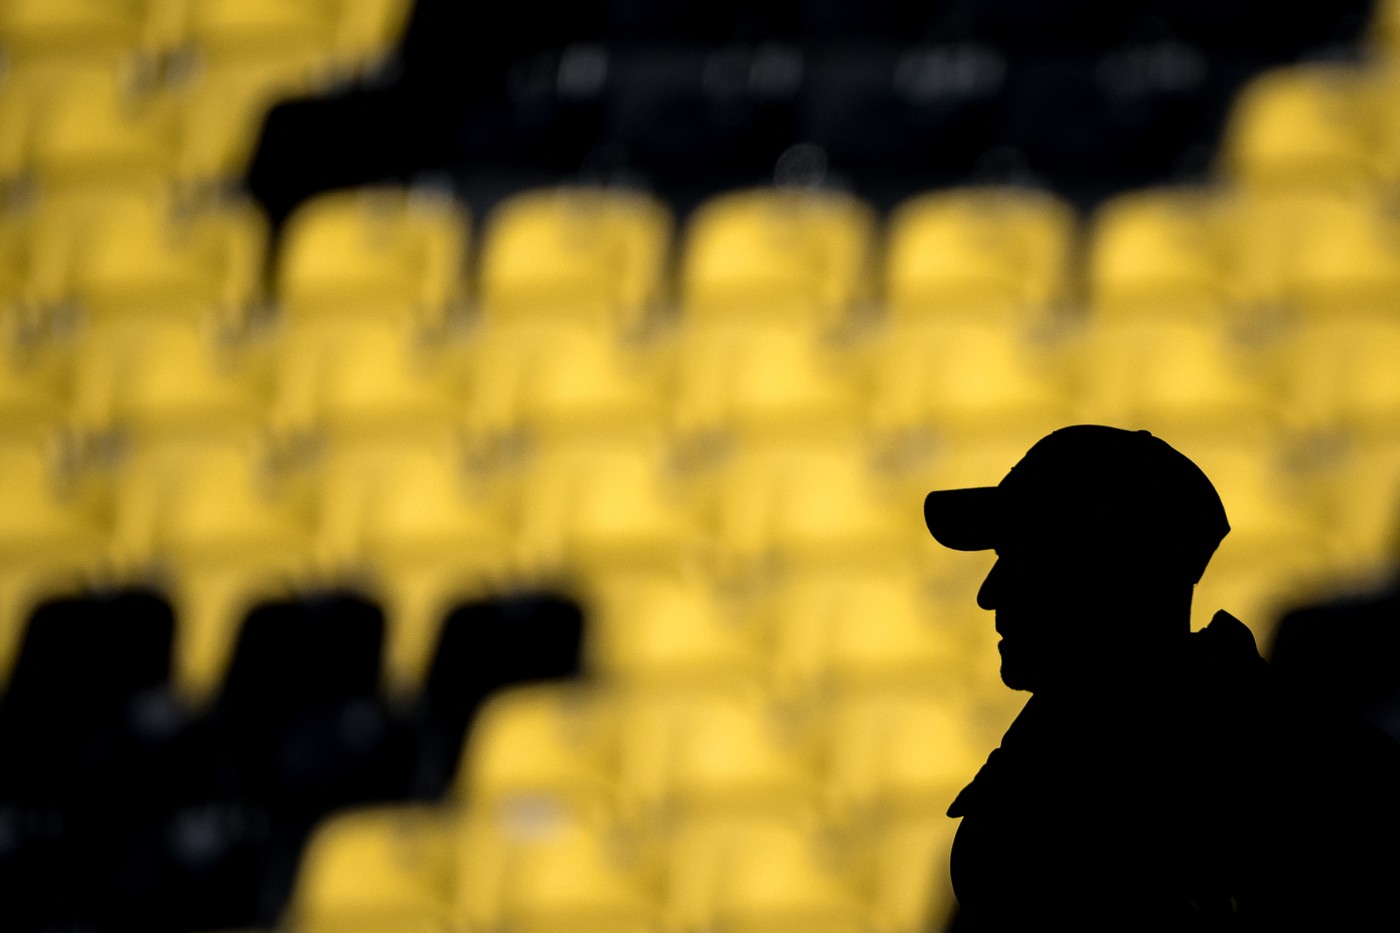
(1125, 495)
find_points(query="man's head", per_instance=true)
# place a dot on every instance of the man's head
(1100, 535)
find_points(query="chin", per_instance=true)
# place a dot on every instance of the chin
(1014, 674)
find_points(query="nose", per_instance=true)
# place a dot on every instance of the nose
(990, 592)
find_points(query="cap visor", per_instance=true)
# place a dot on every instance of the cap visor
(964, 519)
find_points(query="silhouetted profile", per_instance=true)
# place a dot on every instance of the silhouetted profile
(1157, 779)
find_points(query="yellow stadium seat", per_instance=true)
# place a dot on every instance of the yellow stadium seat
(777, 254)
(763, 381)
(1173, 377)
(761, 873)
(407, 516)
(95, 126)
(52, 534)
(860, 629)
(1341, 376)
(805, 505)
(376, 378)
(897, 752)
(1345, 261)
(376, 870)
(582, 254)
(153, 259)
(712, 750)
(377, 252)
(966, 377)
(344, 38)
(1303, 127)
(1361, 506)
(226, 529)
(908, 873)
(1158, 254)
(220, 110)
(986, 253)
(606, 501)
(35, 388)
(550, 869)
(656, 629)
(538, 742)
(582, 381)
(169, 378)
(86, 30)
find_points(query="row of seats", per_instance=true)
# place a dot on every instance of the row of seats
(601, 256)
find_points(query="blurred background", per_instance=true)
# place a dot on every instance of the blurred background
(463, 462)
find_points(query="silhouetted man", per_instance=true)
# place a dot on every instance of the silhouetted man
(1156, 779)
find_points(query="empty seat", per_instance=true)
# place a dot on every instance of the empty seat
(413, 522)
(166, 379)
(583, 254)
(1173, 377)
(544, 741)
(86, 30)
(761, 873)
(376, 869)
(669, 628)
(892, 752)
(379, 252)
(35, 389)
(697, 750)
(52, 533)
(964, 377)
(374, 379)
(777, 254)
(763, 381)
(805, 505)
(1339, 376)
(94, 126)
(862, 629)
(907, 863)
(551, 869)
(1302, 127)
(227, 529)
(1158, 254)
(345, 37)
(999, 253)
(610, 499)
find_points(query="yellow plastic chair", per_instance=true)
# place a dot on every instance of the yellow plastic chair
(575, 254)
(656, 629)
(712, 750)
(966, 377)
(805, 505)
(777, 254)
(1340, 376)
(53, 534)
(897, 752)
(1158, 254)
(35, 389)
(583, 381)
(166, 378)
(609, 501)
(94, 126)
(538, 743)
(220, 110)
(862, 629)
(1302, 127)
(1360, 506)
(213, 516)
(406, 518)
(344, 38)
(1172, 378)
(761, 873)
(376, 870)
(985, 253)
(375, 378)
(376, 252)
(86, 30)
(551, 869)
(151, 259)
(906, 859)
(763, 382)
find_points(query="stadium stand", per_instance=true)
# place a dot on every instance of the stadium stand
(463, 462)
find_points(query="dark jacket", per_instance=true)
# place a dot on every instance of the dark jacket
(1199, 797)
